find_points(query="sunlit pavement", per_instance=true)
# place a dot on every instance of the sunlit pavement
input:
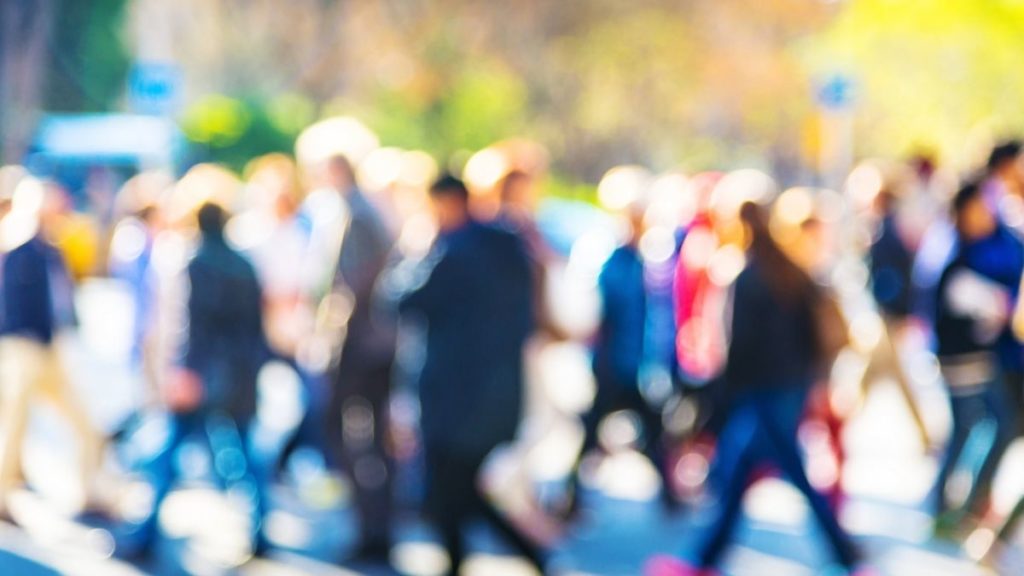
(620, 528)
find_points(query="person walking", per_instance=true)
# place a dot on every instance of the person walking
(474, 292)
(890, 264)
(36, 303)
(772, 361)
(972, 315)
(619, 356)
(213, 387)
(358, 410)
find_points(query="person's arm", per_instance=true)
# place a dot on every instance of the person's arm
(743, 325)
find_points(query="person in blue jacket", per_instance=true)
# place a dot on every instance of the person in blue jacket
(214, 389)
(619, 356)
(975, 347)
(474, 293)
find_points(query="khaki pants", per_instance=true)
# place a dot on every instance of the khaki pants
(31, 371)
(885, 361)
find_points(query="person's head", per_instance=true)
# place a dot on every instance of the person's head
(885, 202)
(338, 173)
(211, 219)
(517, 190)
(1002, 161)
(449, 200)
(972, 215)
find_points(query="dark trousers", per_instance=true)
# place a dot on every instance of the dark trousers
(311, 430)
(760, 428)
(612, 396)
(357, 430)
(969, 411)
(1014, 382)
(236, 465)
(454, 500)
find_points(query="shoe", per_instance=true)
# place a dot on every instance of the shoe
(134, 545)
(948, 526)
(672, 566)
(261, 547)
(372, 552)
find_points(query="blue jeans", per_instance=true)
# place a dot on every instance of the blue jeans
(232, 459)
(762, 428)
(989, 404)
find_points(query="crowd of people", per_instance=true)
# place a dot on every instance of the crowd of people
(722, 313)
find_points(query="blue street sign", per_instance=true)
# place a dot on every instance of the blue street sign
(836, 92)
(154, 88)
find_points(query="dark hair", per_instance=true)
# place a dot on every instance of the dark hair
(786, 279)
(1002, 154)
(967, 193)
(451, 187)
(211, 219)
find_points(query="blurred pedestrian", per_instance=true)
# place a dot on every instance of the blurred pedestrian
(276, 239)
(1003, 189)
(518, 204)
(358, 409)
(972, 314)
(213, 389)
(131, 261)
(619, 356)
(474, 291)
(890, 262)
(773, 359)
(37, 305)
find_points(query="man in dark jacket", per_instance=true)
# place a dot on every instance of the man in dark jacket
(474, 293)
(362, 378)
(214, 389)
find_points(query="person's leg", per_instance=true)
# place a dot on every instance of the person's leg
(367, 456)
(965, 413)
(332, 422)
(57, 390)
(1000, 410)
(311, 429)
(894, 364)
(1011, 522)
(772, 412)
(1013, 381)
(449, 490)
(161, 473)
(232, 463)
(481, 504)
(735, 456)
(653, 445)
(605, 398)
(20, 367)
